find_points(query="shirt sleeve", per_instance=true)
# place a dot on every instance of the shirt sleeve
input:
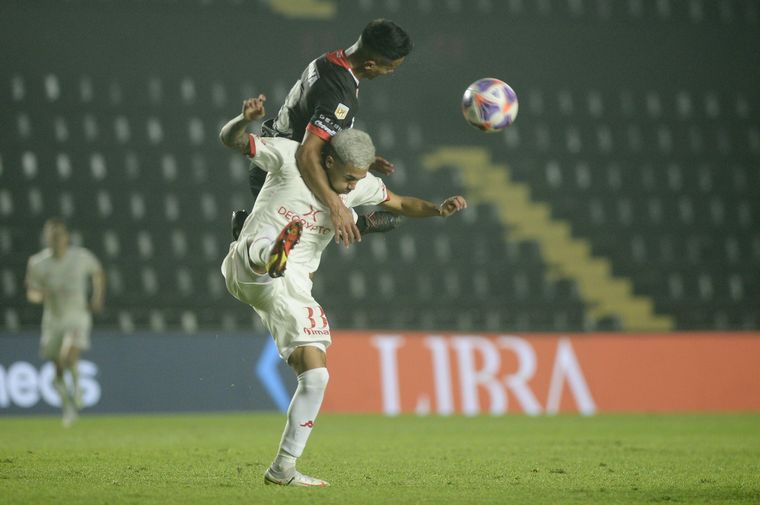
(333, 109)
(34, 275)
(369, 191)
(264, 153)
(91, 263)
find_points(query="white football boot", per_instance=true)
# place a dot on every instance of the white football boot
(297, 479)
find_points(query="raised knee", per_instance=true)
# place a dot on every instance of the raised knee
(316, 378)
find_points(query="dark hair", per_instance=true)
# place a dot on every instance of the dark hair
(387, 39)
(56, 221)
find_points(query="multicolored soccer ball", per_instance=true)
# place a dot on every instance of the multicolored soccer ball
(489, 104)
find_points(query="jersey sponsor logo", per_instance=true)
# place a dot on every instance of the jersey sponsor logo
(341, 111)
(325, 124)
(312, 214)
(312, 331)
(308, 225)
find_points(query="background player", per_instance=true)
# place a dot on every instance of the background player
(254, 268)
(57, 277)
(324, 101)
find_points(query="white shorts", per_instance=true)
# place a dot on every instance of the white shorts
(58, 336)
(285, 304)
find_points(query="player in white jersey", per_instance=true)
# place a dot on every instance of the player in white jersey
(58, 278)
(287, 213)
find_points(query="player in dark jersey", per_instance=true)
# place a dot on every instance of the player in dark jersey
(324, 101)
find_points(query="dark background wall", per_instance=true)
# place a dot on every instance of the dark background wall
(639, 127)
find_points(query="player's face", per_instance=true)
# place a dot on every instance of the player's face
(56, 236)
(343, 177)
(381, 66)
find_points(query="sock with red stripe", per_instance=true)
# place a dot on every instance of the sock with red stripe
(302, 415)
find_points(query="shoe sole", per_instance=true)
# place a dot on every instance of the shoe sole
(286, 240)
(268, 481)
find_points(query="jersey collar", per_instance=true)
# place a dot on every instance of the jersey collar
(339, 58)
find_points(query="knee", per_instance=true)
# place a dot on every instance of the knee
(315, 379)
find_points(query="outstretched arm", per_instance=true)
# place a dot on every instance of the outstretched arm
(309, 161)
(416, 207)
(233, 134)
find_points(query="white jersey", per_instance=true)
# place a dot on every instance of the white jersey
(65, 281)
(285, 197)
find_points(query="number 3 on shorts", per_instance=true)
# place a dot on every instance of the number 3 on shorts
(320, 314)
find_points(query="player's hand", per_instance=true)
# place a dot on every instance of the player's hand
(452, 205)
(253, 108)
(381, 166)
(344, 226)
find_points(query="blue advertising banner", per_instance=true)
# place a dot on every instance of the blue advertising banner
(148, 372)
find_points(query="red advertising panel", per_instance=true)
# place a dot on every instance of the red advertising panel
(447, 373)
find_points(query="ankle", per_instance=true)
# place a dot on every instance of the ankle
(284, 463)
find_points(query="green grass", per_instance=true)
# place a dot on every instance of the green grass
(219, 459)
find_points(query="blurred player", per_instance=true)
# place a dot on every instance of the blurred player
(324, 101)
(58, 277)
(287, 213)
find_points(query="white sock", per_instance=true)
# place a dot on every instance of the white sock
(302, 414)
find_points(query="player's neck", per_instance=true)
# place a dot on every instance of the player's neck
(356, 60)
(59, 252)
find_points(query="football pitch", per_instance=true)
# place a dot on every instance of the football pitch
(220, 459)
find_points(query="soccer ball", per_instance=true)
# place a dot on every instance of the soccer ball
(489, 104)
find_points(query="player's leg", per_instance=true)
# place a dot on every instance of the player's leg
(238, 220)
(59, 383)
(51, 347)
(309, 363)
(268, 252)
(71, 362)
(76, 341)
(64, 364)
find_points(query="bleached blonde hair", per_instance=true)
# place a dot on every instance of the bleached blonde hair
(354, 147)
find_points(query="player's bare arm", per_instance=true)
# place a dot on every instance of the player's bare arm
(98, 291)
(233, 134)
(309, 161)
(411, 206)
(33, 294)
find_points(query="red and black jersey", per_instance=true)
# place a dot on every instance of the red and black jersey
(323, 101)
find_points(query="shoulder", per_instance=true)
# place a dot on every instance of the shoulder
(370, 181)
(274, 154)
(369, 191)
(82, 253)
(40, 257)
(334, 73)
(282, 145)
